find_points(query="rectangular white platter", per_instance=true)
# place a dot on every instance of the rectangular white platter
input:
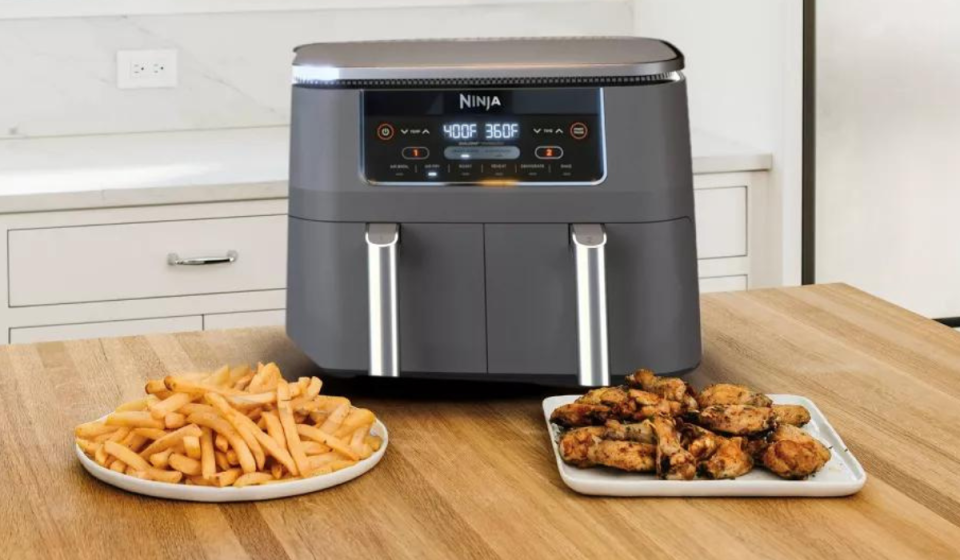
(841, 476)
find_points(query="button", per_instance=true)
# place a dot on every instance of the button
(385, 131)
(548, 152)
(578, 131)
(415, 152)
(481, 152)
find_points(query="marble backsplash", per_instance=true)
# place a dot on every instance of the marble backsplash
(59, 75)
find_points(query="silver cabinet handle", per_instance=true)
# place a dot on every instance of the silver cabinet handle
(588, 241)
(174, 260)
(382, 241)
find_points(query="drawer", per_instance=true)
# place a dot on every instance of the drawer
(243, 319)
(129, 261)
(723, 284)
(27, 335)
(721, 222)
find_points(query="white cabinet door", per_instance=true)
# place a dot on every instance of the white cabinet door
(721, 222)
(26, 335)
(723, 284)
(130, 261)
(243, 319)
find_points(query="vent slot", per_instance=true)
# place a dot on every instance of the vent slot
(427, 83)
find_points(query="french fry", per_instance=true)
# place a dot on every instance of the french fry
(208, 460)
(358, 441)
(243, 382)
(171, 477)
(251, 479)
(227, 477)
(219, 441)
(139, 404)
(133, 419)
(249, 431)
(157, 388)
(374, 442)
(119, 435)
(91, 430)
(192, 407)
(238, 373)
(87, 446)
(222, 462)
(100, 455)
(221, 426)
(232, 458)
(357, 418)
(184, 464)
(313, 388)
(183, 385)
(323, 437)
(118, 466)
(290, 430)
(150, 433)
(219, 378)
(170, 404)
(174, 420)
(127, 456)
(274, 428)
(192, 446)
(314, 448)
(276, 470)
(170, 440)
(333, 422)
(267, 378)
(162, 459)
(199, 481)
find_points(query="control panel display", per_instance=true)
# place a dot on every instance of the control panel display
(478, 137)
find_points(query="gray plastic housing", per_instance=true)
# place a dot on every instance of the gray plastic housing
(486, 282)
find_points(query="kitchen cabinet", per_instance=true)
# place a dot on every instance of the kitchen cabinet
(244, 319)
(26, 335)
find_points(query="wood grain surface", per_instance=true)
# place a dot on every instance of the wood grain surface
(470, 471)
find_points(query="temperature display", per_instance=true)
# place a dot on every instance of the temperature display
(501, 131)
(462, 131)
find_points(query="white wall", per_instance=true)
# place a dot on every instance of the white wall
(744, 70)
(888, 150)
(58, 74)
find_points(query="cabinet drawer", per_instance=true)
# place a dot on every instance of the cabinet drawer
(130, 261)
(723, 284)
(27, 335)
(721, 222)
(243, 319)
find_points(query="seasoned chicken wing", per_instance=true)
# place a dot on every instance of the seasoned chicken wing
(793, 414)
(737, 419)
(673, 461)
(732, 459)
(575, 445)
(699, 442)
(793, 453)
(648, 405)
(579, 414)
(670, 388)
(608, 396)
(628, 456)
(726, 393)
(640, 431)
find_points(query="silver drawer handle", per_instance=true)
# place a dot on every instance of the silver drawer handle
(174, 260)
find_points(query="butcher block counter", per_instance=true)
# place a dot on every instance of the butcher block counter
(470, 472)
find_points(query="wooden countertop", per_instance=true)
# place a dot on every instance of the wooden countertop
(470, 471)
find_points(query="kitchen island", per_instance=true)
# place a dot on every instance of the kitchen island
(470, 472)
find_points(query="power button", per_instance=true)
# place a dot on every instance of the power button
(385, 131)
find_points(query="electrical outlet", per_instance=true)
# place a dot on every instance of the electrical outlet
(147, 69)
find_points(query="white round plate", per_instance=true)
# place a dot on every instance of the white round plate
(247, 493)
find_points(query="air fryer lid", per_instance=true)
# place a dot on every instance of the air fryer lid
(564, 59)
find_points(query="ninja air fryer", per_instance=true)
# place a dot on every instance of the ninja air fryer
(493, 209)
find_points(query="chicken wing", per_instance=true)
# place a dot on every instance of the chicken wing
(726, 393)
(608, 396)
(575, 445)
(699, 442)
(673, 461)
(732, 459)
(669, 388)
(628, 456)
(574, 415)
(793, 453)
(793, 414)
(737, 419)
(641, 432)
(648, 405)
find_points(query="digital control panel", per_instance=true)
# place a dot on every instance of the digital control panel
(481, 136)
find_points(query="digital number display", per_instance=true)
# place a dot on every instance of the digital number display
(501, 131)
(462, 131)
(492, 131)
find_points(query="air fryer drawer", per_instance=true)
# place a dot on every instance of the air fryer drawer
(130, 261)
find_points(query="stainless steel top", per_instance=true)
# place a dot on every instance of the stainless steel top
(485, 59)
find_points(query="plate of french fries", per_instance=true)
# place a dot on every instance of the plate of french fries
(235, 434)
